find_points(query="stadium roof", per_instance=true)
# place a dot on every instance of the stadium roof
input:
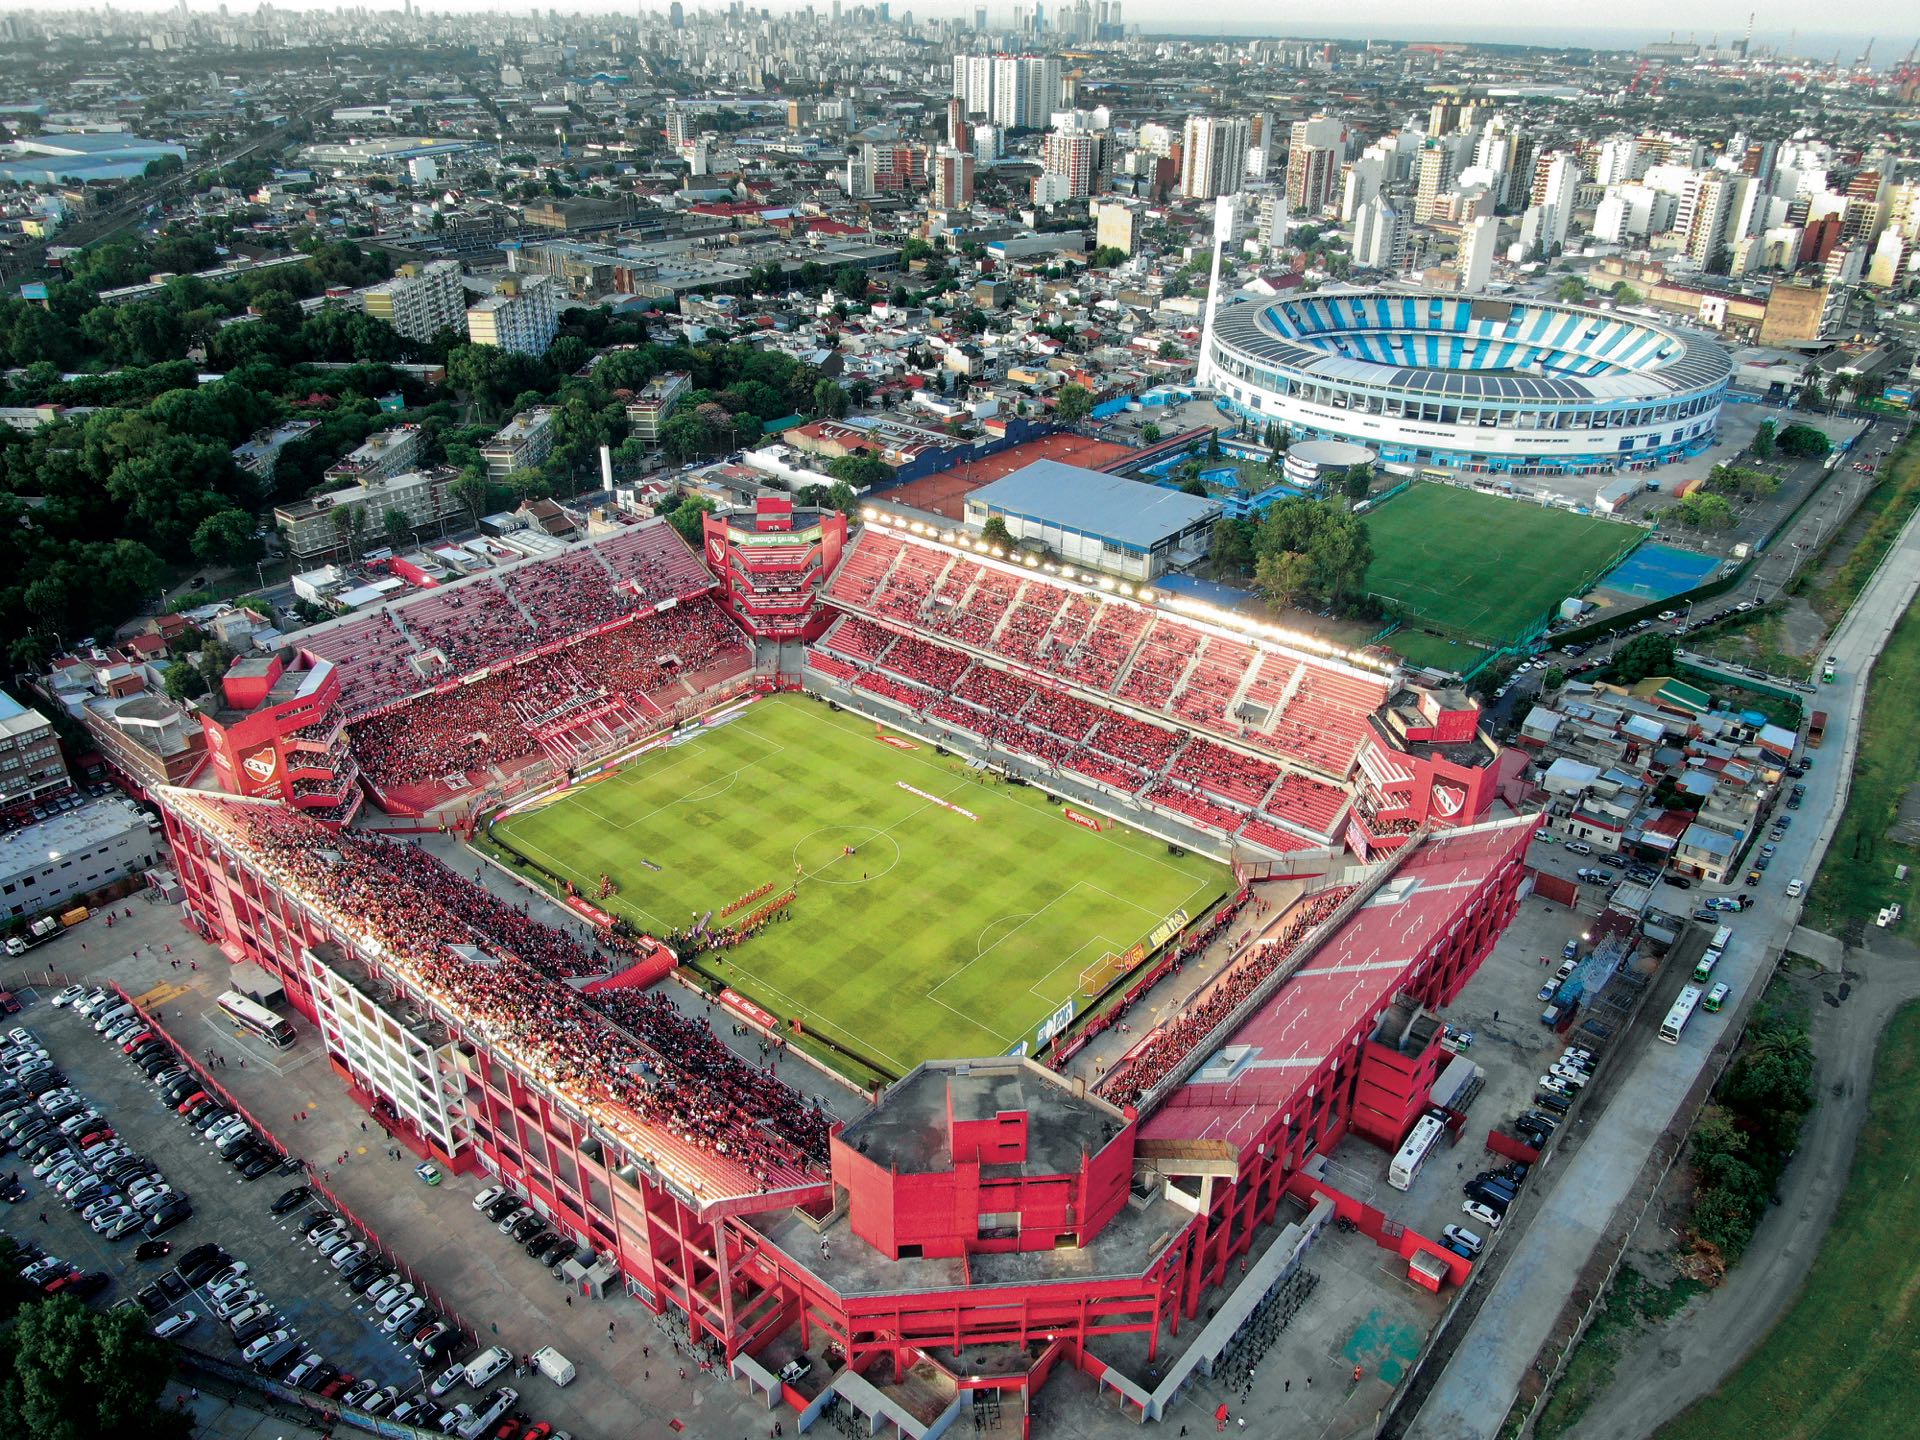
(1343, 987)
(1683, 362)
(1128, 512)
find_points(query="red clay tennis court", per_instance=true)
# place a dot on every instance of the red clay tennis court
(946, 493)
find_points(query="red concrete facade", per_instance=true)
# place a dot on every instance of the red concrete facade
(281, 735)
(716, 1258)
(773, 561)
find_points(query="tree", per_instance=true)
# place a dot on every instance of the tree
(1232, 547)
(1572, 289)
(1702, 511)
(1804, 442)
(1072, 404)
(862, 472)
(1194, 485)
(1107, 256)
(686, 518)
(470, 492)
(1358, 483)
(1213, 444)
(226, 539)
(1150, 433)
(184, 681)
(1282, 575)
(399, 529)
(1763, 440)
(71, 1373)
(1554, 679)
(851, 281)
(1642, 656)
(995, 533)
(829, 400)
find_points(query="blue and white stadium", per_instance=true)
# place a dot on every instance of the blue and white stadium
(1466, 382)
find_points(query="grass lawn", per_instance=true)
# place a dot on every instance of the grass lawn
(939, 937)
(1417, 647)
(1483, 565)
(1857, 877)
(1840, 1362)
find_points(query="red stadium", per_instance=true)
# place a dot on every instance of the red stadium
(978, 1225)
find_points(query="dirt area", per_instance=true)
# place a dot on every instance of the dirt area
(946, 494)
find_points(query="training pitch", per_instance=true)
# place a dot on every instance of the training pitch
(1485, 566)
(940, 936)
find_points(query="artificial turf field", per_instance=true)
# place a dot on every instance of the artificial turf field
(940, 937)
(1486, 566)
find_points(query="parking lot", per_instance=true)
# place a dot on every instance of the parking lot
(628, 1376)
(227, 1209)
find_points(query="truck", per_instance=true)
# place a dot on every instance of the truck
(38, 933)
(1816, 729)
(555, 1366)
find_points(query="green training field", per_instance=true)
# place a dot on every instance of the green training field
(939, 937)
(1483, 565)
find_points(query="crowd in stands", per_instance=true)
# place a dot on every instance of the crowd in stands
(497, 721)
(1199, 780)
(633, 1052)
(1188, 675)
(1170, 962)
(494, 619)
(1167, 1044)
(570, 593)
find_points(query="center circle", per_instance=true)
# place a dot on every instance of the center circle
(822, 854)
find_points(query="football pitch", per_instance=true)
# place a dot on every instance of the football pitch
(1485, 566)
(920, 929)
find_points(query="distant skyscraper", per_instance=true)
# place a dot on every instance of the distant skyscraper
(1213, 156)
(676, 16)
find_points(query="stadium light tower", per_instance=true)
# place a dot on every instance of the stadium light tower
(1222, 233)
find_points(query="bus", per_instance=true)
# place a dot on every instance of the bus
(1420, 1142)
(1715, 951)
(256, 1019)
(1716, 997)
(1678, 1016)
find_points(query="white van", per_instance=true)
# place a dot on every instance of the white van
(555, 1366)
(487, 1364)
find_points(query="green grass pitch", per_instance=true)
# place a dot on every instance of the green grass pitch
(940, 937)
(1483, 565)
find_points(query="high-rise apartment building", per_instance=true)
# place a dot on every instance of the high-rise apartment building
(953, 178)
(420, 300)
(1078, 159)
(1379, 236)
(1563, 177)
(1433, 176)
(1026, 88)
(522, 315)
(1316, 149)
(1478, 242)
(1702, 216)
(1213, 156)
(1013, 91)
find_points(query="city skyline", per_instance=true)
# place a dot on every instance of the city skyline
(1776, 29)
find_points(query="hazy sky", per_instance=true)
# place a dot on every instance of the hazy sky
(1621, 24)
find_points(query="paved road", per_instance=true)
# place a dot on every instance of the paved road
(1479, 1383)
(1677, 1364)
